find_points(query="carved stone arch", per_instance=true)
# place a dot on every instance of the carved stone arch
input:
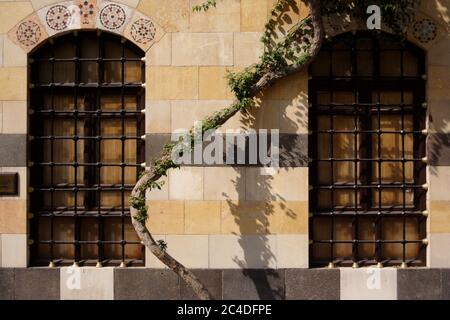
(423, 32)
(65, 16)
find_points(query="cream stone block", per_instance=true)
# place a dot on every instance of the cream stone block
(438, 77)
(87, 283)
(12, 12)
(15, 117)
(438, 180)
(13, 82)
(172, 15)
(167, 83)
(439, 255)
(368, 284)
(158, 119)
(248, 48)
(226, 17)
(159, 194)
(289, 88)
(130, 3)
(265, 114)
(2, 41)
(14, 251)
(13, 55)
(250, 251)
(191, 250)
(151, 261)
(13, 216)
(439, 54)
(23, 182)
(166, 217)
(160, 54)
(186, 112)
(285, 184)
(202, 49)
(292, 251)
(254, 14)
(244, 218)
(439, 113)
(213, 83)
(186, 183)
(202, 217)
(224, 183)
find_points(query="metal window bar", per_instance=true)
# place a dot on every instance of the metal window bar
(368, 107)
(91, 190)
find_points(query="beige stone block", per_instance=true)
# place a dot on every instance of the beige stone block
(213, 84)
(292, 251)
(250, 251)
(224, 183)
(438, 55)
(438, 181)
(248, 48)
(13, 216)
(151, 261)
(244, 217)
(15, 117)
(14, 251)
(226, 17)
(23, 181)
(166, 83)
(264, 114)
(289, 217)
(202, 49)
(439, 255)
(130, 3)
(160, 54)
(13, 82)
(191, 250)
(12, 12)
(13, 55)
(439, 113)
(2, 41)
(186, 112)
(166, 217)
(159, 194)
(294, 115)
(186, 183)
(158, 118)
(279, 186)
(368, 284)
(439, 218)
(38, 4)
(202, 217)
(254, 14)
(94, 283)
(172, 15)
(288, 88)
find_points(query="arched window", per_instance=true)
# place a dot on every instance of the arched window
(367, 175)
(86, 97)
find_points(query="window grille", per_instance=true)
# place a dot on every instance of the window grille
(367, 150)
(86, 150)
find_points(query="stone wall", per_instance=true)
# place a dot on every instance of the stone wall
(215, 217)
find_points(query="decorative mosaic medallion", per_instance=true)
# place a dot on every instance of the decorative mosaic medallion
(425, 30)
(143, 31)
(58, 17)
(28, 33)
(87, 10)
(112, 16)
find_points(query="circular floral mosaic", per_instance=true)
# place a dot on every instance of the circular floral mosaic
(58, 17)
(28, 33)
(87, 10)
(143, 31)
(425, 30)
(112, 16)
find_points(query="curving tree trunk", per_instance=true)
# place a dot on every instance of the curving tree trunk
(150, 176)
